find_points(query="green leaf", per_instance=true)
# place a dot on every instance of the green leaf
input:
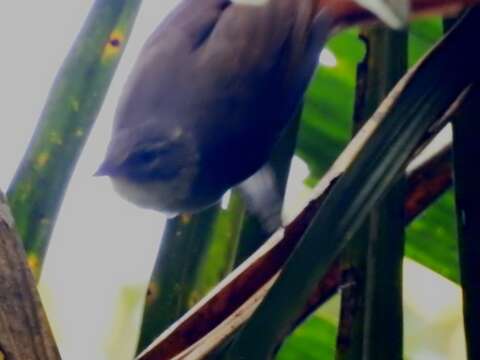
(184, 243)
(328, 109)
(313, 340)
(432, 240)
(329, 102)
(423, 35)
(37, 190)
(196, 252)
(326, 128)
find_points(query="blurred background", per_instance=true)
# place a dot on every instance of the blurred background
(103, 249)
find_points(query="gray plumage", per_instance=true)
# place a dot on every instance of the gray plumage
(210, 94)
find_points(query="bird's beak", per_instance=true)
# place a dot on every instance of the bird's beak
(394, 13)
(99, 172)
(103, 170)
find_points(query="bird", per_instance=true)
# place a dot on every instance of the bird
(209, 96)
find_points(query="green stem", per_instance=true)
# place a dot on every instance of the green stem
(197, 251)
(466, 149)
(37, 190)
(184, 242)
(383, 325)
(221, 255)
(373, 260)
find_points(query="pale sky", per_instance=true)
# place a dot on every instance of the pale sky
(103, 248)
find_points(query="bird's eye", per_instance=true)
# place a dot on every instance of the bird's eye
(159, 160)
(150, 152)
(146, 156)
(142, 157)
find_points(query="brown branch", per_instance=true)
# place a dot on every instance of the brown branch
(24, 330)
(428, 182)
(434, 176)
(448, 117)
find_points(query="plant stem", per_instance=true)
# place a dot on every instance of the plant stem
(466, 150)
(384, 64)
(197, 252)
(184, 242)
(37, 190)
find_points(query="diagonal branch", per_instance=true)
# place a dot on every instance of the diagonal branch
(24, 330)
(429, 181)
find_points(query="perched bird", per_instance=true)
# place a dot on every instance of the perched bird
(210, 94)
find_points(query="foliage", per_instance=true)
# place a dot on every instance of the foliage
(197, 252)
(326, 128)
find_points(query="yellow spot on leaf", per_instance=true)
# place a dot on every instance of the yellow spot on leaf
(185, 218)
(75, 104)
(152, 293)
(79, 133)
(33, 264)
(25, 189)
(42, 159)
(55, 138)
(113, 46)
(194, 298)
